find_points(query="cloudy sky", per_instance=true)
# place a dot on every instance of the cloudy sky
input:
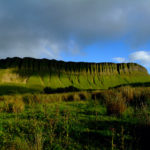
(76, 30)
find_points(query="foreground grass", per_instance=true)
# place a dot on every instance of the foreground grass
(75, 121)
(67, 125)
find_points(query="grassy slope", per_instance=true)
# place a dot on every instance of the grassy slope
(36, 74)
(51, 123)
(89, 81)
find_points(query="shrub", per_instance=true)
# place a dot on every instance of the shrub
(82, 96)
(71, 97)
(76, 97)
(115, 103)
(49, 90)
(100, 96)
(31, 99)
(68, 98)
(13, 106)
(140, 98)
(127, 93)
(115, 107)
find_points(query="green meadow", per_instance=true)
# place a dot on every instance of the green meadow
(115, 119)
(55, 105)
(35, 74)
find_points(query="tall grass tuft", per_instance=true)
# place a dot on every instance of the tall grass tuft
(13, 106)
(115, 103)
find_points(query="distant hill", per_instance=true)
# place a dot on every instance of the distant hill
(40, 73)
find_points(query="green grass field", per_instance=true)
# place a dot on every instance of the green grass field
(11, 82)
(110, 109)
(35, 74)
(80, 120)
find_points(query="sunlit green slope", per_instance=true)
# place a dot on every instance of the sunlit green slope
(40, 73)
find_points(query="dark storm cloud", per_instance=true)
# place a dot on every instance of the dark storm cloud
(47, 27)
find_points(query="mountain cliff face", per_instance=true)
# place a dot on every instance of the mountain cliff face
(43, 72)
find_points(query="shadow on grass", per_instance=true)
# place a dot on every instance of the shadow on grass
(138, 84)
(14, 89)
(49, 90)
(99, 134)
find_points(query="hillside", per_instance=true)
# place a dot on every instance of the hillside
(39, 73)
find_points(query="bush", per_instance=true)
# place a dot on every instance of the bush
(49, 90)
(67, 98)
(13, 106)
(82, 96)
(115, 103)
(135, 97)
(76, 97)
(100, 96)
(140, 99)
(127, 93)
(71, 97)
(31, 99)
(116, 107)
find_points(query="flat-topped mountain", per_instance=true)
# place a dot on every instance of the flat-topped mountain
(39, 73)
(31, 66)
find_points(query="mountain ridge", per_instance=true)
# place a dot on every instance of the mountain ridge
(28, 63)
(40, 73)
